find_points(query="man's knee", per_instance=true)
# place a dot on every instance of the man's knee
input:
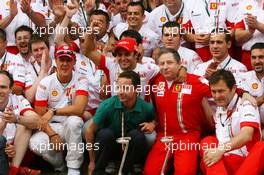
(74, 122)
(105, 136)
(137, 136)
(39, 143)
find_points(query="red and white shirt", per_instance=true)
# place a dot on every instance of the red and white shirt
(174, 100)
(112, 69)
(250, 7)
(19, 105)
(189, 59)
(52, 93)
(205, 15)
(228, 123)
(15, 66)
(228, 64)
(250, 82)
(160, 15)
(20, 19)
(88, 69)
(150, 39)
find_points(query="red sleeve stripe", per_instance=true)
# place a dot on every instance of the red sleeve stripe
(240, 25)
(18, 83)
(43, 103)
(40, 14)
(252, 124)
(229, 24)
(81, 92)
(25, 110)
(104, 68)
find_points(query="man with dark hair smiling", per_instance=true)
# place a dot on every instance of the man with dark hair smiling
(237, 126)
(106, 126)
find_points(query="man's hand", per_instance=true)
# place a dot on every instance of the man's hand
(44, 120)
(248, 97)
(202, 38)
(57, 7)
(91, 167)
(212, 156)
(9, 116)
(10, 150)
(182, 76)
(252, 22)
(89, 5)
(211, 69)
(25, 7)
(147, 127)
(71, 9)
(13, 8)
(57, 141)
(45, 62)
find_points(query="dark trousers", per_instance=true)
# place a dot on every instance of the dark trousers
(109, 149)
(3, 157)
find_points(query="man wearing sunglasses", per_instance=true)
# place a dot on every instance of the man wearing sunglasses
(61, 99)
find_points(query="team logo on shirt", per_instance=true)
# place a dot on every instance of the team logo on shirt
(83, 63)
(54, 93)
(249, 7)
(180, 20)
(255, 85)
(8, 3)
(213, 5)
(177, 88)
(163, 19)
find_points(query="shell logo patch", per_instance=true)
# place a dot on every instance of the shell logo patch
(249, 7)
(163, 19)
(255, 85)
(83, 63)
(54, 93)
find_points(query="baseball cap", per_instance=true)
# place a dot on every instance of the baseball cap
(65, 51)
(128, 44)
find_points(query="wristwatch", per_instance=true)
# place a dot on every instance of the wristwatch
(54, 111)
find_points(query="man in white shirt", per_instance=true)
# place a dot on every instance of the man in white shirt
(22, 12)
(249, 27)
(126, 59)
(12, 63)
(61, 99)
(219, 44)
(23, 35)
(135, 18)
(237, 126)
(39, 67)
(171, 10)
(171, 38)
(17, 118)
(253, 81)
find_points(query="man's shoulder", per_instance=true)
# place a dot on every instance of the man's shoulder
(157, 11)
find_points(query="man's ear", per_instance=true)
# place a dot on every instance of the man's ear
(229, 43)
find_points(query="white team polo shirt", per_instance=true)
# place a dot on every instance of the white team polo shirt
(189, 59)
(160, 15)
(87, 68)
(112, 69)
(250, 82)
(20, 19)
(20, 105)
(15, 66)
(228, 64)
(228, 124)
(250, 7)
(52, 93)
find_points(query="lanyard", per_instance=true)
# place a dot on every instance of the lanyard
(3, 63)
(227, 63)
(35, 70)
(229, 113)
